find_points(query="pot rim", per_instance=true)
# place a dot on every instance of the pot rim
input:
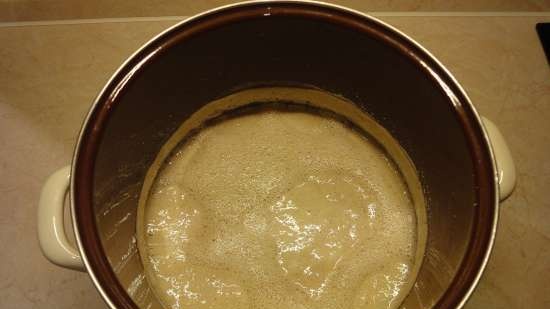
(115, 295)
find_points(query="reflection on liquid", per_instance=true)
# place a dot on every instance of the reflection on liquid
(279, 210)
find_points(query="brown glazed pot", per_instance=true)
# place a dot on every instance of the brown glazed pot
(382, 71)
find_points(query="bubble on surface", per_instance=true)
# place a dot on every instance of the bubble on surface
(279, 209)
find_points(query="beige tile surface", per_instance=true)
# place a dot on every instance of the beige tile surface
(49, 75)
(48, 78)
(18, 10)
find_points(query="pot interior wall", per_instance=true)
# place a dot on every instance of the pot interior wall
(286, 50)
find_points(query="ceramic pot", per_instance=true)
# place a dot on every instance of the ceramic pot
(464, 165)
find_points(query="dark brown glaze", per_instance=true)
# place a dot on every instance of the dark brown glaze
(458, 148)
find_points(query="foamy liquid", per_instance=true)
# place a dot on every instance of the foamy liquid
(279, 209)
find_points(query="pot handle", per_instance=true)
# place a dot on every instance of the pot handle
(51, 230)
(505, 164)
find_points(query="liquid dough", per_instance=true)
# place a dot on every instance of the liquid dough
(279, 209)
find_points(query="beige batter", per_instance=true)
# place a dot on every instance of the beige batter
(279, 209)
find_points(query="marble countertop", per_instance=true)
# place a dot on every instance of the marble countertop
(50, 73)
